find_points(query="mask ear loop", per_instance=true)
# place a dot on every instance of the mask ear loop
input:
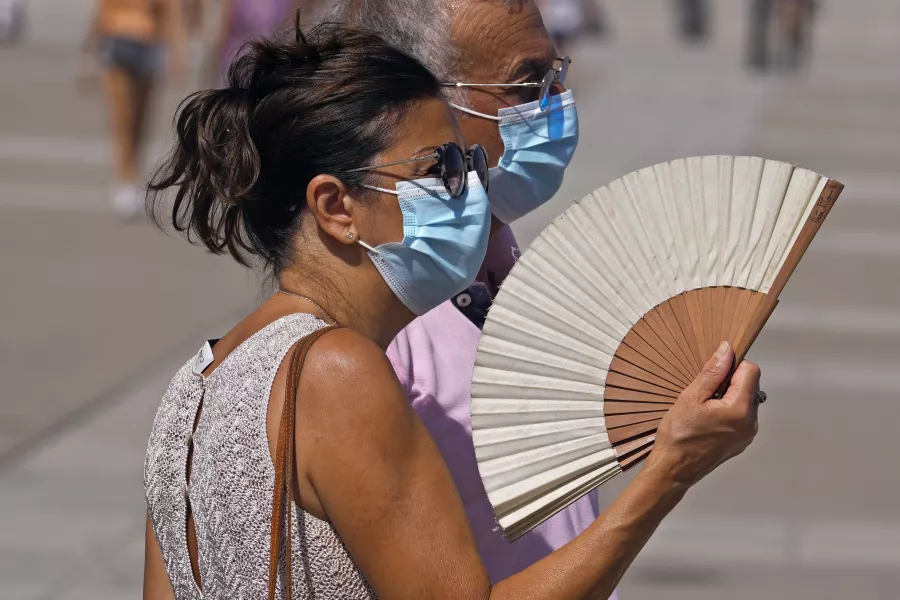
(473, 112)
(381, 189)
(366, 246)
(377, 189)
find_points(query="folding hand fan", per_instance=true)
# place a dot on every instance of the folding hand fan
(614, 309)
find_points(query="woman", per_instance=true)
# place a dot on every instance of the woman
(129, 37)
(337, 165)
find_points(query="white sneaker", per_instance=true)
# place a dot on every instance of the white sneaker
(126, 200)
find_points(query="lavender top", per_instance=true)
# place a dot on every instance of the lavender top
(434, 358)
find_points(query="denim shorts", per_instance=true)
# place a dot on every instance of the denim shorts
(141, 60)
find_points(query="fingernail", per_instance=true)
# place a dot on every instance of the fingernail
(722, 352)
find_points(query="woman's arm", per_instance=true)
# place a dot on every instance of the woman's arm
(156, 582)
(383, 484)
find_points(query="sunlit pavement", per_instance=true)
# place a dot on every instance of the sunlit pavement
(99, 313)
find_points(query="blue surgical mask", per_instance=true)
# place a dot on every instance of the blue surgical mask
(538, 146)
(444, 242)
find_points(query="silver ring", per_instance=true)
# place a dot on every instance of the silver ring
(761, 396)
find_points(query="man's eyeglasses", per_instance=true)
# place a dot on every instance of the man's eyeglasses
(455, 166)
(556, 73)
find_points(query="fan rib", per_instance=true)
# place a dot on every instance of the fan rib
(635, 445)
(622, 366)
(618, 380)
(670, 320)
(616, 407)
(731, 297)
(636, 351)
(661, 350)
(615, 422)
(661, 330)
(692, 302)
(635, 459)
(680, 310)
(623, 395)
(624, 434)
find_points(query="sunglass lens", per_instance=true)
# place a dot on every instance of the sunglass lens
(546, 87)
(454, 170)
(480, 165)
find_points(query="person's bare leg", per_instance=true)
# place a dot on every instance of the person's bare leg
(120, 105)
(142, 98)
(122, 94)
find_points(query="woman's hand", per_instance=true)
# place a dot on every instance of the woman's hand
(700, 433)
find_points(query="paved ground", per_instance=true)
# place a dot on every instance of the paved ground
(99, 314)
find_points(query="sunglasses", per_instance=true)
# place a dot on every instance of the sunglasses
(555, 74)
(455, 166)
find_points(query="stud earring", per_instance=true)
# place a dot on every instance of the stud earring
(349, 235)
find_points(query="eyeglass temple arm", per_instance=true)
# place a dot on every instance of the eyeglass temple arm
(531, 84)
(396, 162)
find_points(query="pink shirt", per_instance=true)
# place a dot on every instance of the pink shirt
(434, 358)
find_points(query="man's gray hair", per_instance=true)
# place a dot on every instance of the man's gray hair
(421, 28)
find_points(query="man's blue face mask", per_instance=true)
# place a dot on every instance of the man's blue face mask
(538, 146)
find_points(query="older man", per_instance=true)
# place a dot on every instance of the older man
(503, 48)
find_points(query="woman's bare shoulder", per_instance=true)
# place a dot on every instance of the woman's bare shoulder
(346, 366)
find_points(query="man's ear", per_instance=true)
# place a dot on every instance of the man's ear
(332, 204)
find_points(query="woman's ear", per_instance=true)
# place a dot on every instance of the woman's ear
(332, 204)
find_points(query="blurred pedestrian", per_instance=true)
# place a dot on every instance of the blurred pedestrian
(795, 25)
(760, 24)
(242, 20)
(564, 21)
(694, 19)
(130, 38)
(12, 15)
(790, 21)
(596, 23)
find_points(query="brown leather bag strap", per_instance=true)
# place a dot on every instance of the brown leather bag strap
(284, 465)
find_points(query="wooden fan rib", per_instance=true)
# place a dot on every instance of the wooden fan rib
(692, 303)
(670, 344)
(616, 407)
(618, 380)
(611, 394)
(632, 371)
(680, 310)
(629, 432)
(729, 304)
(619, 421)
(709, 346)
(636, 350)
(717, 312)
(635, 459)
(635, 445)
(661, 351)
(742, 298)
(753, 305)
(666, 313)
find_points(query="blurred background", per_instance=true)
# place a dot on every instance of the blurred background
(99, 309)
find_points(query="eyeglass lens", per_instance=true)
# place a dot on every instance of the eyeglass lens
(480, 165)
(453, 169)
(550, 78)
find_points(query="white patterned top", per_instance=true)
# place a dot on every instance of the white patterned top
(232, 481)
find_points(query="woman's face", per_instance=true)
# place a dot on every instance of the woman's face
(428, 126)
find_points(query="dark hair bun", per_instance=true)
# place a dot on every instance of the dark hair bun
(245, 154)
